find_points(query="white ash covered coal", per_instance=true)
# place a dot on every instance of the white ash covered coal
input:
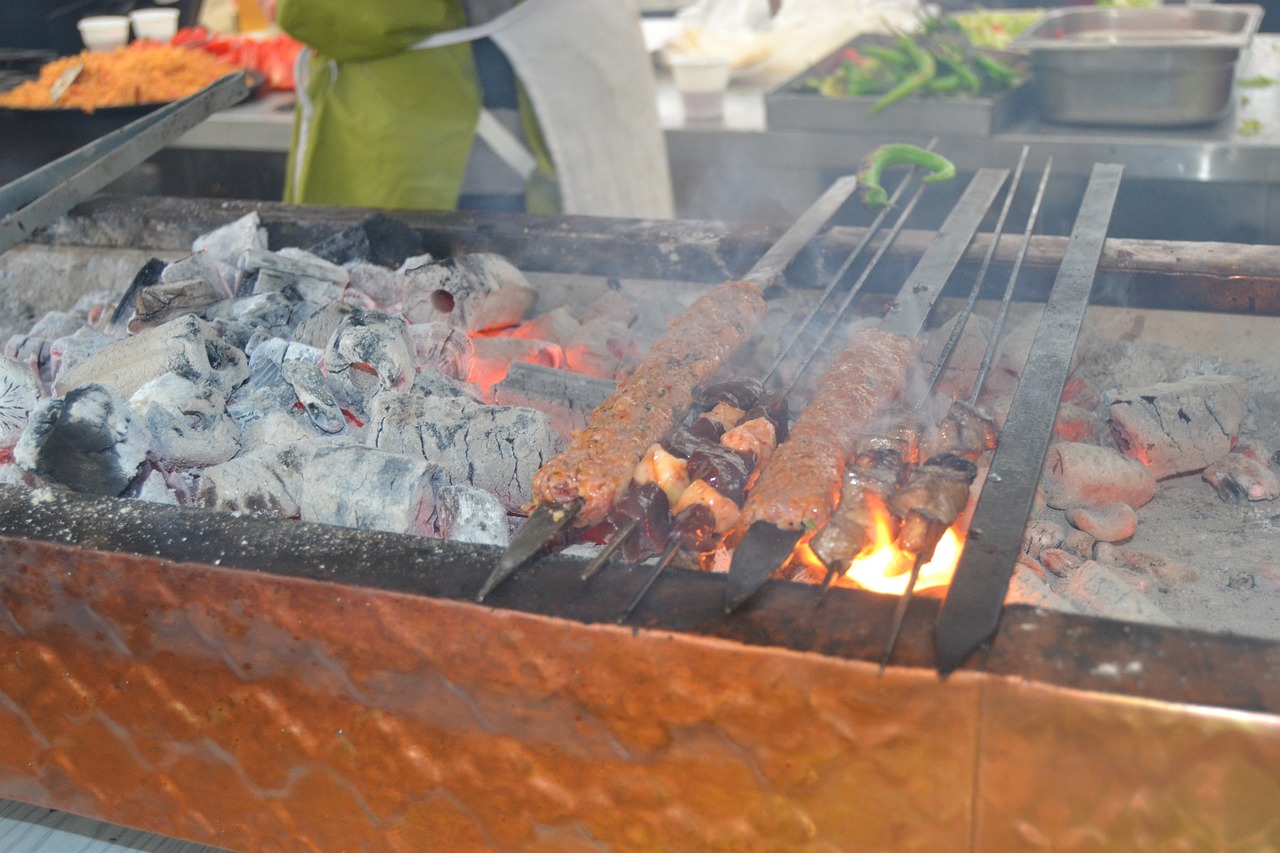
(1157, 502)
(359, 383)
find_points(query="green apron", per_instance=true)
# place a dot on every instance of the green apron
(388, 127)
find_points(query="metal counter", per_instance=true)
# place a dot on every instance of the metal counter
(1216, 182)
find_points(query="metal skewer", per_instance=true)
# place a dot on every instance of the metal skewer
(626, 531)
(667, 556)
(547, 520)
(958, 329)
(997, 325)
(752, 562)
(616, 541)
(933, 535)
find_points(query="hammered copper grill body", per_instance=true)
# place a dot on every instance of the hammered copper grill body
(280, 686)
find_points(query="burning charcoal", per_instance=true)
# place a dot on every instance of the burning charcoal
(1040, 535)
(1079, 393)
(385, 287)
(378, 240)
(603, 348)
(66, 352)
(612, 306)
(443, 348)
(496, 448)
(319, 328)
(1076, 424)
(267, 357)
(467, 514)
(1025, 587)
(265, 480)
(313, 393)
(475, 292)
(568, 398)
(225, 245)
(557, 327)
(88, 441)
(1088, 475)
(1237, 477)
(1179, 427)
(494, 356)
(188, 421)
(34, 347)
(433, 383)
(1168, 573)
(1060, 561)
(19, 393)
(1079, 543)
(1103, 591)
(155, 490)
(271, 313)
(369, 352)
(392, 241)
(1111, 522)
(188, 346)
(252, 404)
(368, 489)
(146, 277)
(313, 279)
(349, 244)
(162, 302)
(957, 378)
(198, 266)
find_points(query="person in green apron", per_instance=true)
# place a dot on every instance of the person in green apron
(431, 104)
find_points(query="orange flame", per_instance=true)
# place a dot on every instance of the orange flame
(884, 567)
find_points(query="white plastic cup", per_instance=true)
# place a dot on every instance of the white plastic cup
(104, 32)
(154, 24)
(701, 82)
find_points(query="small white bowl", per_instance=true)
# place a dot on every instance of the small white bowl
(104, 32)
(154, 24)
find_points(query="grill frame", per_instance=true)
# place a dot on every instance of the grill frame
(100, 594)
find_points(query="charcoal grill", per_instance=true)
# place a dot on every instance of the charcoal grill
(267, 685)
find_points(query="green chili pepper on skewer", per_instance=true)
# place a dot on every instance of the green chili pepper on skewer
(895, 154)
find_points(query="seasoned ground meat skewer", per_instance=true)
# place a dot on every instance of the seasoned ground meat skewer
(801, 483)
(600, 458)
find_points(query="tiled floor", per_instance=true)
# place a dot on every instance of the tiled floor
(31, 829)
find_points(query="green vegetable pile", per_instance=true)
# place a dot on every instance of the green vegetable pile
(940, 60)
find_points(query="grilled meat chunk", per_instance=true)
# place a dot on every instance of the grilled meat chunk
(599, 461)
(934, 496)
(869, 480)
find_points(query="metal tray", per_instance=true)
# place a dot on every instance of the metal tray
(1163, 66)
(792, 107)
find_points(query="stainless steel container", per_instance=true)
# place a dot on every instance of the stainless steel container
(1163, 66)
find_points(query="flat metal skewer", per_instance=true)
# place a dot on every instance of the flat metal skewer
(543, 525)
(548, 520)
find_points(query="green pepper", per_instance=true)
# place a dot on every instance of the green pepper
(999, 73)
(926, 68)
(874, 195)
